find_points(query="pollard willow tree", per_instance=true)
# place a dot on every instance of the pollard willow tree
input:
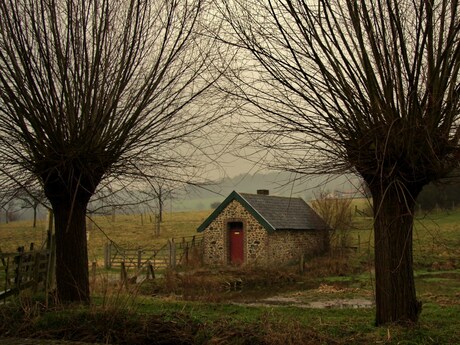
(365, 86)
(97, 89)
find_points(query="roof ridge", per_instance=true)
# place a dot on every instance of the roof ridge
(272, 196)
(255, 210)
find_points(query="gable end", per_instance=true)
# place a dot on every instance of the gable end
(235, 196)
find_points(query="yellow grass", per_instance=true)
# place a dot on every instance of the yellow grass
(436, 235)
(21, 233)
(436, 238)
(130, 231)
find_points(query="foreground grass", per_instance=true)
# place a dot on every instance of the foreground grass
(194, 307)
(156, 321)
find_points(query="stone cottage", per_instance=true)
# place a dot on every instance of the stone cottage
(261, 229)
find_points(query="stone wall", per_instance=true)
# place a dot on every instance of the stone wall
(287, 245)
(260, 247)
(216, 244)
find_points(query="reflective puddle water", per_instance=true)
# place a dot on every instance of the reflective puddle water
(353, 303)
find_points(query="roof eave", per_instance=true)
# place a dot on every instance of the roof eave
(216, 212)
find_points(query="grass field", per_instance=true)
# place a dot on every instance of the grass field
(130, 231)
(198, 307)
(436, 239)
(436, 235)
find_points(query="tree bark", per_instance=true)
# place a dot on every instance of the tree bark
(72, 276)
(69, 191)
(394, 279)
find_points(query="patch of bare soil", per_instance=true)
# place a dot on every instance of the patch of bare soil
(354, 303)
(326, 300)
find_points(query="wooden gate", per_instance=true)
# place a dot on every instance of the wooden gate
(26, 270)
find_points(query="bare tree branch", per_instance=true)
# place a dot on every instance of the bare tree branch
(96, 89)
(370, 87)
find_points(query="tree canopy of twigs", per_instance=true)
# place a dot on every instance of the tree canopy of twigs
(370, 87)
(98, 89)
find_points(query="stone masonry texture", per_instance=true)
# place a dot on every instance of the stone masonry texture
(261, 248)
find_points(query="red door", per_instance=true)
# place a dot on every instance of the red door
(236, 246)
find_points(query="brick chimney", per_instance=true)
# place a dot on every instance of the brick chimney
(263, 192)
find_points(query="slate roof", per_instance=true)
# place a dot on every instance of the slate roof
(273, 212)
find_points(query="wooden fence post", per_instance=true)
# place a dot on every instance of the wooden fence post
(150, 272)
(123, 275)
(139, 258)
(3, 259)
(155, 252)
(18, 259)
(106, 264)
(7, 273)
(186, 252)
(50, 272)
(169, 253)
(93, 273)
(172, 253)
(302, 263)
(35, 272)
(31, 270)
(108, 255)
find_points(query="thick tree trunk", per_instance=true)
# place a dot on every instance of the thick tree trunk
(393, 226)
(69, 193)
(71, 252)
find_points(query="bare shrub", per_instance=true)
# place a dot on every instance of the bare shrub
(336, 212)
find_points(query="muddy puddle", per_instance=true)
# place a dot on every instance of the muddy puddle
(327, 297)
(352, 303)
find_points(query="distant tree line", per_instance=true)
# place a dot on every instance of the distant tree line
(445, 195)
